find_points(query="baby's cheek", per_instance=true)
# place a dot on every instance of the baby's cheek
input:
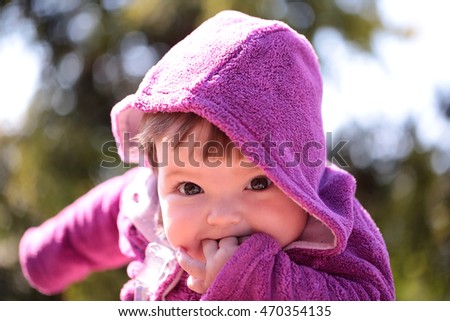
(180, 238)
(182, 225)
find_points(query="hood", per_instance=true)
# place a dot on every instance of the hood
(259, 82)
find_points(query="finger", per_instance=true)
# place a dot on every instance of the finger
(210, 248)
(196, 285)
(227, 247)
(230, 241)
(191, 266)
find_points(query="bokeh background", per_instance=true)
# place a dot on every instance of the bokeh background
(64, 64)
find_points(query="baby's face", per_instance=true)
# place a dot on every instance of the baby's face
(221, 197)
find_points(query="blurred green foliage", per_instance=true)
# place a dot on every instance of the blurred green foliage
(96, 52)
(401, 184)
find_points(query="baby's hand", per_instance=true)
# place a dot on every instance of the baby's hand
(202, 274)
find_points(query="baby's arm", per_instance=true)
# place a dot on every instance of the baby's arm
(81, 239)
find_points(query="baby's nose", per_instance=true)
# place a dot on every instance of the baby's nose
(224, 213)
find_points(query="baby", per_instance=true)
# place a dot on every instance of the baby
(210, 205)
(234, 199)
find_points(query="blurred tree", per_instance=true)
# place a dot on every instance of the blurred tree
(96, 52)
(444, 103)
(406, 188)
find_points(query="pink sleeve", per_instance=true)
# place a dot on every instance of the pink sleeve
(82, 238)
(260, 270)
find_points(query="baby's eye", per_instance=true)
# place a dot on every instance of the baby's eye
(259, 183)
(189, 188)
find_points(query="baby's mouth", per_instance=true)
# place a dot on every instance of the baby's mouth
(240, 239)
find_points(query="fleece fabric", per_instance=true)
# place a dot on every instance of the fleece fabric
(259, 82)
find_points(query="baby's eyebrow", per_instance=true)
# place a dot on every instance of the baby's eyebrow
(174, 172)
(179, 171)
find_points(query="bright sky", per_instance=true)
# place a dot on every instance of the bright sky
(19, 77)
(400, 81)
(403, 77)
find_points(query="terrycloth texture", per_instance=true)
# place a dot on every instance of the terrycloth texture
(82, 238)
(266, 273)
(259, 82)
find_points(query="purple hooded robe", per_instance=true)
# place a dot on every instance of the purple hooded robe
(259, 82)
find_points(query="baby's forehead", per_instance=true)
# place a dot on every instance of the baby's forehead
(199, 145)
(199, 149)
(201, 158)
